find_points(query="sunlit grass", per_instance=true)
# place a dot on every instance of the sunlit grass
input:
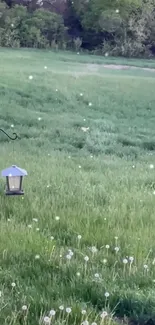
(79, 246)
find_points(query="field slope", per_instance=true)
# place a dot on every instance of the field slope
(83, 235)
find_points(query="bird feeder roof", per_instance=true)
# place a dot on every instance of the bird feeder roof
(13, 171)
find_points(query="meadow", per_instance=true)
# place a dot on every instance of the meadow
(79, 247)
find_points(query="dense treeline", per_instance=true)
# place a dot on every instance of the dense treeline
(115, 27)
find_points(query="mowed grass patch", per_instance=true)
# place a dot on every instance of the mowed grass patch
(82, 237)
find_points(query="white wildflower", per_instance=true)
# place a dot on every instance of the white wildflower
(12, 125)
(30, 77)
(86, 258)
(81, 94)
(145, 266)
(45, 67)
(151, 166)
(93, 323)
(30, 226)
(68, 310)
(105, 261)
(24, 307)
(52, 238)
(57, 218)
(90, 104)
(107, 294)
(107, 246)
(106, 54)
(37, 229)
(78, 274)
(117, 11)
(79, 166)
(61, 307)
(39, 118)
(116, 249)
(79, 237)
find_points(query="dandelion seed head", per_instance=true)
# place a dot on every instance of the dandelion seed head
(93, 323)
(52, 238)
(35, 219)
(90, 104)
(79, 166)
(37, 229)
(105, 261)
(29, 226)
(125, 261)
(68, 310)
(61, 307)
(83, 312)
(39, 118)
(45, 67)
(30, 77)
(52, 312)
(104, 314)
(79, 237)
(47, 320)
(81, 94)
(24, 307)
(117, 11)
(107, 294)
(68, 256)
(70, 252)
(86, 258)
(12, 25)
(116, 249)
(57, 218)
(94, 249)
(56, 89)
(106, 54)
(13, 284)
(78, 274)
(37, 257)
(151, 166)
(12, 125)
(107, 246)
(116, 238)
(96, 275)
(131, 259)
(145, 266)
(84, 120)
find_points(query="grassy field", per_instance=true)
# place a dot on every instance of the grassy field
(81, 242)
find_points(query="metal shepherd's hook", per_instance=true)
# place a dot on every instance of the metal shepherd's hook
(15, 135)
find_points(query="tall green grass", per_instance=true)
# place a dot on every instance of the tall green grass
(98, 184)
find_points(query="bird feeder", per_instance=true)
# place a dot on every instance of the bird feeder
(14, 177)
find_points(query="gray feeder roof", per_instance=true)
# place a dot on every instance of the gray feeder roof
(13, 171)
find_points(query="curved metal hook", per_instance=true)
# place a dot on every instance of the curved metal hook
(15, 135)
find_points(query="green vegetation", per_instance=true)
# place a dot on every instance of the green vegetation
(100, 183)
(117, 28)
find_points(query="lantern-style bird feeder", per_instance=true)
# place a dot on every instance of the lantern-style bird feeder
(14, 176)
